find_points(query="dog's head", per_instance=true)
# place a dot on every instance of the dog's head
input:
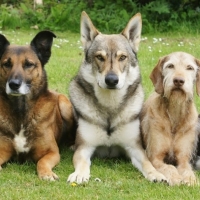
(22, 67)
(109, 58)
(177, 71)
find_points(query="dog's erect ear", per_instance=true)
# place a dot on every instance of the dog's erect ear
(157, 77)
(3, 44)
(133, 31)
(198, 78)
(88, 30)
(41, 44)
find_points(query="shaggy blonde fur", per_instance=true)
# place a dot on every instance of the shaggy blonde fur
(169, 117)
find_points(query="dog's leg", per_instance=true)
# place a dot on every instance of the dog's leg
(46, 163)
(141, 162)
(131, 142)
(82, 162)
(157, 147)
(6, 150)
(156, 153)
(66, 111)
(183, 155)
(188, 176)
(170, 171)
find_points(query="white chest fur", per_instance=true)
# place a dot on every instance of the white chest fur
(20, 142)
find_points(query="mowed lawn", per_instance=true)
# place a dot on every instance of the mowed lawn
(117, 179)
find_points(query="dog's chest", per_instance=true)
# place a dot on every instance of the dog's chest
(20, 142)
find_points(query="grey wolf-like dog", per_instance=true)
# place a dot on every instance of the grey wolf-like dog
(107, 96)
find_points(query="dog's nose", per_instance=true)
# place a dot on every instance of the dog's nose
(178, 81)
(111, 79)
(15, 84)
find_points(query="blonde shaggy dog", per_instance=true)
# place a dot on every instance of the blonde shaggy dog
(169, 117)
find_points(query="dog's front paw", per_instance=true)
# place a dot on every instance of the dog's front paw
(189, 178)
(79, 178)
(49, 176)
(156, 176)
(175, 180)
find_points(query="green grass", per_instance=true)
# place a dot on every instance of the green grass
(119, 179)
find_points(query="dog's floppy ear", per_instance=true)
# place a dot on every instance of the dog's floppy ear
(157, 77)
(3, 44)
(41, 44)
(198, 78)
(88, 30)
(133, 31)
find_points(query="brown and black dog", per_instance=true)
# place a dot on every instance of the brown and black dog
(32, 119)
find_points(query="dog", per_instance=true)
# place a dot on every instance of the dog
(33, 119)
(107, 97)
(169, 117)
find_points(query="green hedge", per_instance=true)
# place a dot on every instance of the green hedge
(108, 16)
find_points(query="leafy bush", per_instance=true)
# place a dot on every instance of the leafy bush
(9, 17)
(53, 16)
(108, 16)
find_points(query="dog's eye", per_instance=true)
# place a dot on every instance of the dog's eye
(100, 58)
(7, 64)
(170, 66)
(123, 57)
(28, 64)
(189, 67)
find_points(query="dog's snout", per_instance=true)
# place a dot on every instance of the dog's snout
(178, 81)
(15, 84)
(111, 79)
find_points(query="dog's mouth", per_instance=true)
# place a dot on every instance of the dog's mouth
(111, 87)
(108, 87)
(17, 94)
(178, 90)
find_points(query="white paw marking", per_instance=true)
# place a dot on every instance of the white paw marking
(78, 178)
